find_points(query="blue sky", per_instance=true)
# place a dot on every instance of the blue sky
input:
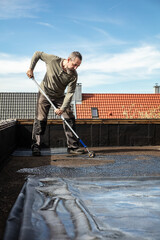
(119, 41)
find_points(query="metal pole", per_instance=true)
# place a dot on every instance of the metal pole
(55, 107)
(91, 154)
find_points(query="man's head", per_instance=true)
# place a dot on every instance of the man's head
(74, 60)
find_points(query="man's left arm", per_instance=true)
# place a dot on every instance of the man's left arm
(68, 97)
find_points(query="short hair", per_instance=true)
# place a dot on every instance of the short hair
(75, 54)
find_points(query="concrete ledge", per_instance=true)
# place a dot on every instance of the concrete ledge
(95, 121)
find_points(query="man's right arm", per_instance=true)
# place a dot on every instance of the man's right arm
(34, 60)
(38, 55)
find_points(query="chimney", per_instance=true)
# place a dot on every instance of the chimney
(77, 97)
(156, 88)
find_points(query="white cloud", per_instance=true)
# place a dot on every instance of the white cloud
(143, 59)
(15, 65)
(46, 24)
(13, 76)
(17, 83)
(116, 5)
(136, 64)
(19, 9)
(95, 19)
(110, 40)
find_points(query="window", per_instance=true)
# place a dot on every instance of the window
(94, 112)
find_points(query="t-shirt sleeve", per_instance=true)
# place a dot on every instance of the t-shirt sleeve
(70, 91)
(42, 56)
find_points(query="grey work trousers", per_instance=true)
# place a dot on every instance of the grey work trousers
(40, 121)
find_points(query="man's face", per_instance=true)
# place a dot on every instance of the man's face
(73, 64)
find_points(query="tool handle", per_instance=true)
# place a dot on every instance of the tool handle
(55, 107)
(43, 92)
(82, 143)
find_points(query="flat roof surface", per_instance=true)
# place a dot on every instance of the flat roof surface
(108, 162)
(116, 195)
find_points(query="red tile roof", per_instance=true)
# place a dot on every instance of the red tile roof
(120, 106)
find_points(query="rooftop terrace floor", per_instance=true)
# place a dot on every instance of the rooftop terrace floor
(110, 164)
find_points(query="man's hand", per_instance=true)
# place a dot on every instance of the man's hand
(58, 111)
(30, 73)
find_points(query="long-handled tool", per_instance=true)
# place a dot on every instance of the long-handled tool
(90, 153)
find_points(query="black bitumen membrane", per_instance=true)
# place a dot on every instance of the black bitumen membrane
(119, 199)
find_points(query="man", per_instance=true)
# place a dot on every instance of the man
(60, 73)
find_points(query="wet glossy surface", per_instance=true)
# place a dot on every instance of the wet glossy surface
(114, 196)
(91, 208)
(116, 166)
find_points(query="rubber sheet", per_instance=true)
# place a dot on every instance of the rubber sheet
(85, 208)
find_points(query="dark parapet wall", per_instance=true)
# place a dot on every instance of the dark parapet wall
(7, 139)
(95, 133)
(119, 134)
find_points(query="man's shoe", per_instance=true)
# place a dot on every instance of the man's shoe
(75, 151)
(36, 150)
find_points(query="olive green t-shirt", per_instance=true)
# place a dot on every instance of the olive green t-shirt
(56, 79)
